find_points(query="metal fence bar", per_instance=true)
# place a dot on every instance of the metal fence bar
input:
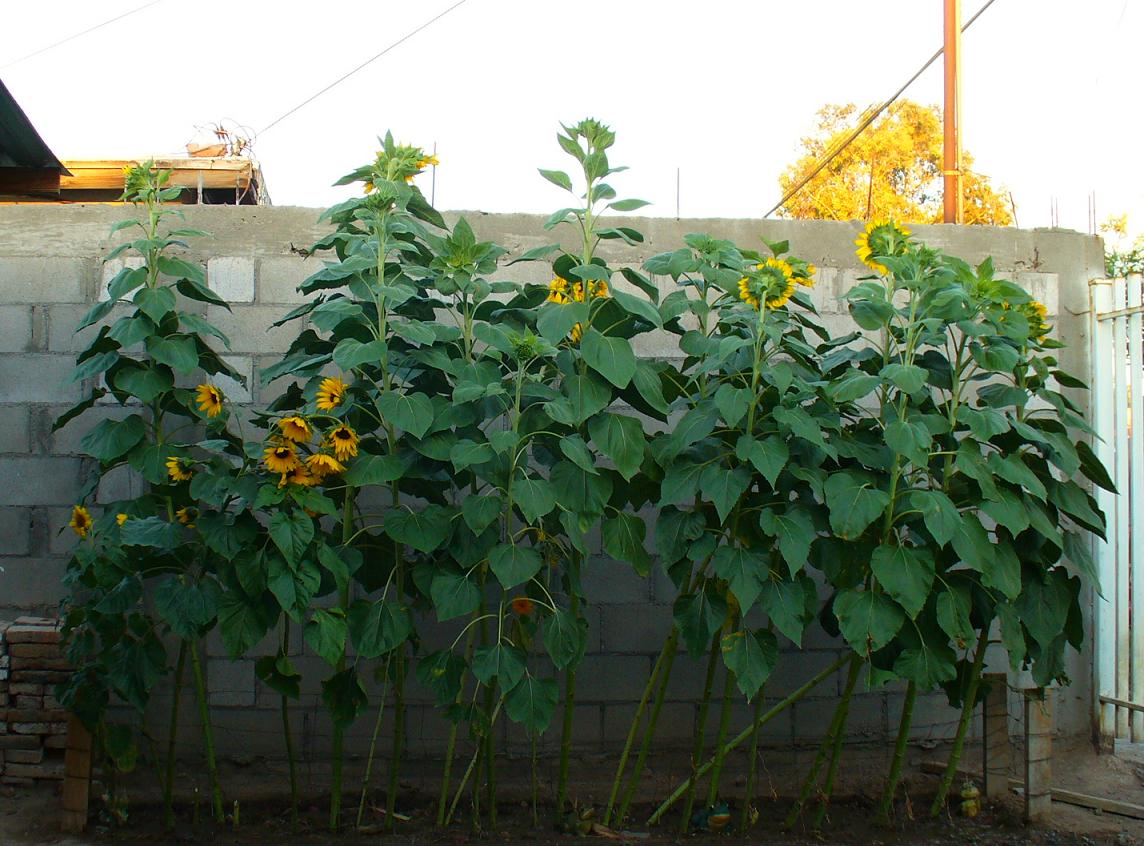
(1135, 493)
(1104, 610)
(1120, 525)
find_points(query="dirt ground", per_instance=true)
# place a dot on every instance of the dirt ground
(30, 816)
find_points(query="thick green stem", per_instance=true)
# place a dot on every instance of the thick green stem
(339, 728)
(836, 750)
(967, 708)
(535, 780)
(700, 733)
(569, 700)
(653, 721)
(721, 738)
(738, 740)
(837, 723)
(398, 739)
(469, 769)
(287, 733)
(208, 733)
(745, 820)
(172, 735)
(451, 749)
(634, 728)
(490, 762)
(884, 807)
(372, 748)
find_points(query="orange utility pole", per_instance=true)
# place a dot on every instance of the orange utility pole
(951, 157)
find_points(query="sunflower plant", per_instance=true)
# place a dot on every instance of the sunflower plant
(141, 571)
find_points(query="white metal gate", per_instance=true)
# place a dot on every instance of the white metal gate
(1118, 417)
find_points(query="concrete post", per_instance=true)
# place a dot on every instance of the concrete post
(997, 752)
(1038, 755)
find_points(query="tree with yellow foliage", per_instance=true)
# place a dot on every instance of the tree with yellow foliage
(893, 169)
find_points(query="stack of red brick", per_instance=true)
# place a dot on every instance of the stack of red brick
(33, 727)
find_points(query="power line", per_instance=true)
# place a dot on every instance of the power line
(79, 34)
(870, 117)
(368, 61)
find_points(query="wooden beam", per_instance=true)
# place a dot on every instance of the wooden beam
(25, 180)
(228, 173)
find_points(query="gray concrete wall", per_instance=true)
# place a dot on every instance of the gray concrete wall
(51, 271)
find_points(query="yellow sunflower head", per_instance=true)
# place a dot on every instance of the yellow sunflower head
(881, 238)
(806, 277)
(1036, 313)
(186, 516)
(577, 333)
(281, 457)
(295, 428)
(772, 283)
(321, 465)
(344, 441)
(558, 291)
(746, 293)
(299, 475)
(80, 522)
(180, 469)
(121, 518)
(209, 399)
(331, 393)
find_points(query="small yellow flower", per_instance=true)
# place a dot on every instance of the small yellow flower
(80, 522)
(344, 440)
(120, 518)
(179, 469)
(881, 238)
(427, 161)
(281, 458)
(558, 291)
(186, 516)
(369, 187)
(298, 476)
(331, 393)
(295, 429)
(209, 399)
(321, 465)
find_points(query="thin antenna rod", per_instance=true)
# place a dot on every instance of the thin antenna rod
(433, 183)
(677, 193)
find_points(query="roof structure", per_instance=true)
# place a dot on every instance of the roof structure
(27, 165)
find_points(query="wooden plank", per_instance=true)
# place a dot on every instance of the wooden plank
(1068, 797)
(1122, 703)
(997, 752)
(23, 180)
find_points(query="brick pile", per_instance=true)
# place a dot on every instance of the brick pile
(33, 727)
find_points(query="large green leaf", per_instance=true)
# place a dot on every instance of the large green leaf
(624, 540)
(1044, 607)
(279, 674)
(423, 530)
(514, 564)
(178, 352)
(146, 383)
(292, 533)
(939, 513)
(533, 496)
(555, 320)
(867, 620)
(325, 633)
(681, 481)
(674, 532)
(453, 593)
(699, 615)
(786, 605)
(532, 702)
(620, 438)
(751, 656)
(907, 574)
(1007, 509)
(744, 570)
(344, 697)
(156, 303)
(794, 530)
(480, 512)
(926, 661)
(953, 608)
(1012, 469)
(583, 396)
(565, 638)
(724, 486)
(110, 439)
(151, 531)
(378, 627)
(612, 358)
(854, 503)
(769, 456)
(293, 587)
(441, 672)
(501, 662)
(411, 412)
(351, 353)
(578, 491)
(187, 608)
(242, 623)
(374, 470)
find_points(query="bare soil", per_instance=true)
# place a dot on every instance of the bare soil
(30, 816)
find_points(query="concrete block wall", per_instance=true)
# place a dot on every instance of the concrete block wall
(51, 271)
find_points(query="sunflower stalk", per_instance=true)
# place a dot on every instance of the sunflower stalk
(172, 737)
(882, 816)
(208, 732)
(967, 708)
(700, 734)
(836, 747)
(745, 820)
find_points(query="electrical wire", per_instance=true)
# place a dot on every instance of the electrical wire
(79, 34)
(368, 61)
(870, 117)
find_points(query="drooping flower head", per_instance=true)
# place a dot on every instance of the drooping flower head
(344, 441)
(396, 162)
(295, 428)
(523, 606)
(299, 475)
(772, 282)
(321, 464)
(209, 399)
(80, 522)
(1036, 313)
(331, 393)
(180, 469)
(281, 457)
(186, 516)
(880, 239)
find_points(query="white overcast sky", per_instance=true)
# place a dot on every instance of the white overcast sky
(721, 89)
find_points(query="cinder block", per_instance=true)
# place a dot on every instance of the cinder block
(866, 720)
(612, 678)
(249, 328)
(608, 582)
(15, 328)
(796, 668)
(232, 278)
(1043, 287)
(44, 280)
(279, 278)
(63, 320)
(15, 531)
(31, 583)
(38, 378)
(234, 390)
(676, 723)
(231, 682)
(36, 480)
(635, 628)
